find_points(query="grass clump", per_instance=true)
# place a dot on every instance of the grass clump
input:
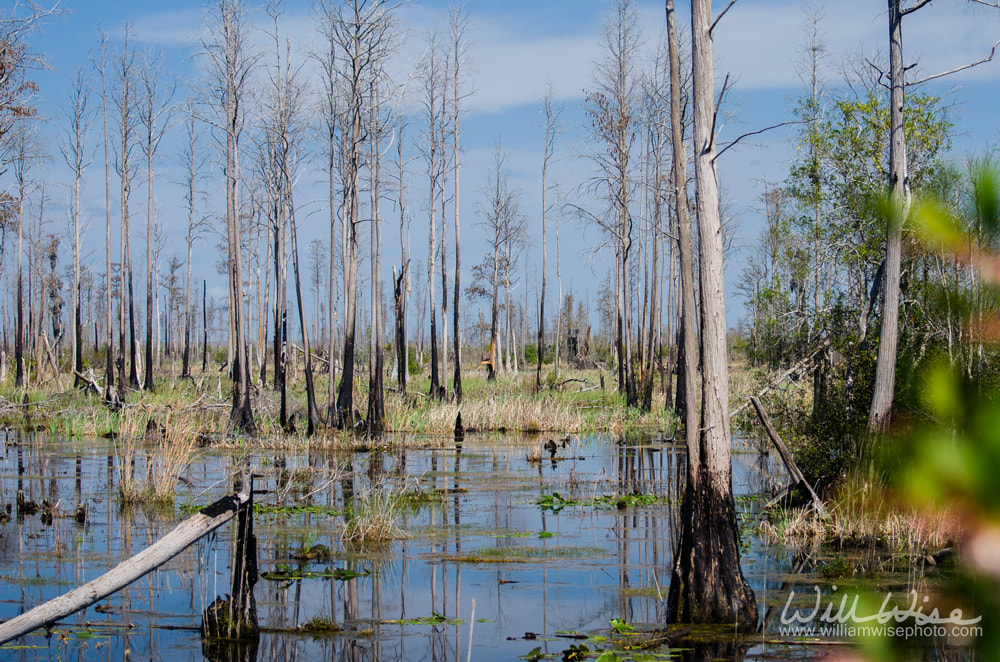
(373, 518)
(151, 477)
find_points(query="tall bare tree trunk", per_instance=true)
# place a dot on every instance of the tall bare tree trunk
(401, 280)
(109, 364)
(899, 189)
(376, 393)
(191, 179)
(551, 119)
(154, 115)
(75, 154)
(458, 25)
(231, 64)
(355, 95)
(707, 584)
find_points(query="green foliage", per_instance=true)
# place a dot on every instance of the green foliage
(555, 502)
(531, 354)
(575, 653)
(811, 276)
(535, 654)
(836, 568)
(619, 626)
(946, 456)
(414, 367)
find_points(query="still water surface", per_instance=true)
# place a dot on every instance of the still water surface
(506, 549)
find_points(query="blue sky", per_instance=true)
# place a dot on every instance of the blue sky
(516, 48)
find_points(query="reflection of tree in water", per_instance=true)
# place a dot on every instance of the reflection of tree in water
(645, 536)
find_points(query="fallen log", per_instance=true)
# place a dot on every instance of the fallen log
(183, 536)
(798, 479)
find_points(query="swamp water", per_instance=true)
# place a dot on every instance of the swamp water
(505, 550)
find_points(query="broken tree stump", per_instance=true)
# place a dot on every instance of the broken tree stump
(235, 618)
(798, 479)
(183, 536)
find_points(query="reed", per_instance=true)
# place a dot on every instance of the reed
(150, 475)
(373, 517)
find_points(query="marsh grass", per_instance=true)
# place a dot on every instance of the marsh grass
(863, 513)
(150, 474)
(573, 403)
(511, 404)
(373, 517)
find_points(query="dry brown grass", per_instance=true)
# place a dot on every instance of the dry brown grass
(150, 465)
(373, 517)
(864, 513)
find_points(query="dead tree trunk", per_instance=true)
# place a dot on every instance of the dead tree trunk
(707, 584)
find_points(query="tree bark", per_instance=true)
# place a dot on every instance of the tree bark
(899, 191)
(458, 22)
(707, 585)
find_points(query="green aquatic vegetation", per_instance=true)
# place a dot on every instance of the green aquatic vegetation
(836, 568)
(434, 619)
(295, 509)
(286, 573)
(619, 626)
(320, 624)
(555, 502)
(311, 552)
(525, 553)
(576, 652)
(629, 500)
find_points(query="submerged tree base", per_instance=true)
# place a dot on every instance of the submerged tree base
(707, 585)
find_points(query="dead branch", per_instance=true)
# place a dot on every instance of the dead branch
(782, 377)
(921, 4)
(721, 14)
(957, 69)
(798, 479)
(754, 133)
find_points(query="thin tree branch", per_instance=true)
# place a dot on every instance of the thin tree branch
(957, 69)
(718, 105)
(754, 133)
(995, 5)
(921, 4)
(721, 14)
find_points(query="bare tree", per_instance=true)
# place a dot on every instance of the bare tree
(24, 154)
(330, 112)
(458, 22)
(193, 162)
(125, 100)
(505, 239)
(74, 152)
(101, 63)
(707, 585)
(613, 120)
(17, 21)
(155, 110)
(432, 99)
(361, 32)
(899, 192)
(230, 62)
(283, 138)
(551, 114)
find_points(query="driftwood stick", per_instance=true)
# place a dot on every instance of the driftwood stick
(786, 457)
(126, 572)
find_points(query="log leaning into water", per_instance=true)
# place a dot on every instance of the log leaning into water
(183, 536)
(786, 456)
